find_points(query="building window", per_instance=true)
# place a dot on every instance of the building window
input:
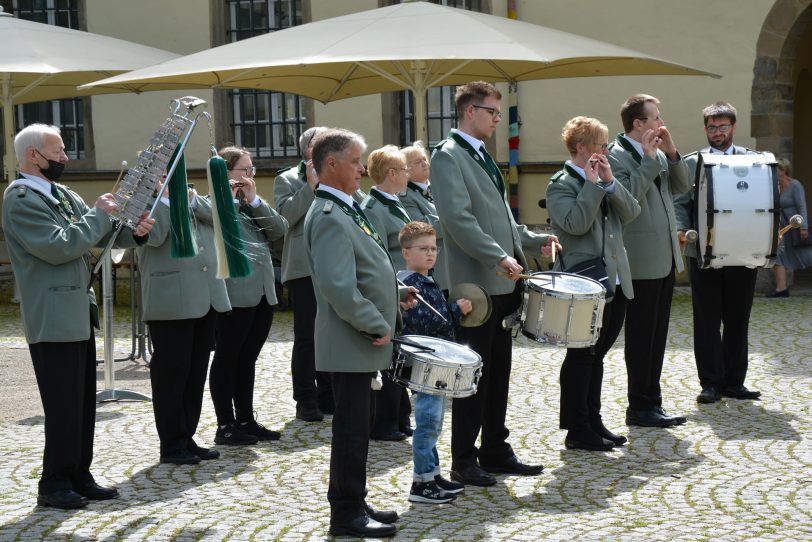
(68, 114)
(266, 123)
(441, 113)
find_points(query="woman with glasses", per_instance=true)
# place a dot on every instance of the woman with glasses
(383, 208)
(588, 209)
(241, 333)
(419, 203)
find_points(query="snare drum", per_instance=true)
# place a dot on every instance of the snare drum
(736, 210)
(563, 309)
(439, 367)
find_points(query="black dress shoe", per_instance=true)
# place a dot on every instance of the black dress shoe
(183, 457)
(66, 499)
(309, 413)
(601, 430)
(740, 392)
(393, 436)
(381, 516)
(708, 395)
(648, 418)
(406, 430)
(676, 420)
(512, 465)
(204, 454)
(586, 439)
(362, 527)
(94, 492)
(472, 475)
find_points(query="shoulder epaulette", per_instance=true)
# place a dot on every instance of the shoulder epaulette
(690, 154)
(21, 191)
(557, 176)
(368, 202)
(284, 169)
(328, 207)
(439, 145)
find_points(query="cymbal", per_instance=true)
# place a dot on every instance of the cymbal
(479, 299)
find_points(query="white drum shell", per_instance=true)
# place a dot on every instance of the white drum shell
(566, 310)
(452, 370)
(741, 190)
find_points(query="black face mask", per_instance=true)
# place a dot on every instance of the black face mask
(54, 170)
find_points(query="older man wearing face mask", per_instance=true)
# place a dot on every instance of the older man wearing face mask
(49, 231)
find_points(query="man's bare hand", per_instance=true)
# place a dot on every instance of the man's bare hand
(107, 203)
(511, 267)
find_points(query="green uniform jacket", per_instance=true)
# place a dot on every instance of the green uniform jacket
(388, 226)
(181, 288)
(574, 206)
(260, 227)
(423, 210)
(684, 203)
(51, 263)
(292, 198)
(355, 288)
(651, 238)
(478, 226)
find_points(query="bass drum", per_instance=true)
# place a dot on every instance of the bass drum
(736, 210)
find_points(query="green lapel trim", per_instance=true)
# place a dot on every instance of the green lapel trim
(574, 173)
(425, 193)
(357, 216)
(487, 164)
(623, 142)
(394, 207)
(303, 170)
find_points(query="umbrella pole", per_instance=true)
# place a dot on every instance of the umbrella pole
(420, 115)
(9, 162)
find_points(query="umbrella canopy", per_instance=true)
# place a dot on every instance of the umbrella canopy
(46, 62)
(411, 46)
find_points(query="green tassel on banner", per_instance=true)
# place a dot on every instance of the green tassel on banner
(180, 219)
(231, 259)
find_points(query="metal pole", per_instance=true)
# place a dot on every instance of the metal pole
(110, 392)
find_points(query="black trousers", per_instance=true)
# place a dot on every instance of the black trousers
(647, 317)
(485, 410)
(177, 372)
(240, 335)
(721, 298)
(350, 445)
(582, 371)
(66, 378)
(391, 407)
(310, 387)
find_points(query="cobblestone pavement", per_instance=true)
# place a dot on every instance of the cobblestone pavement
(738, 470)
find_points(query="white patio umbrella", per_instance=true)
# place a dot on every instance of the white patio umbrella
(46, 62)
(411, 46)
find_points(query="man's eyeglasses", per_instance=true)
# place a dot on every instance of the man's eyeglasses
(721, 128)
(426, 249)
(495, 113)
(249, 171)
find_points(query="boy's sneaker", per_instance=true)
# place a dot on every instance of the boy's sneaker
(231, 434)
(428, 492)
(259, 430)
(448, 485)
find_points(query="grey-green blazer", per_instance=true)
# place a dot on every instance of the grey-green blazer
(423, 210)
(388, 226)
(292, 198)
(355, 288)
(478, 226)
(575, 212)
(181, 288)
(684, 203)
(259, 227)
(50, 260)
(651, 238)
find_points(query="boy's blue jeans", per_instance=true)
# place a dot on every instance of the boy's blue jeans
(428, 418)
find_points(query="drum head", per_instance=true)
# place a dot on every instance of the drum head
(480, 300)
(442, 349)
(569, 283)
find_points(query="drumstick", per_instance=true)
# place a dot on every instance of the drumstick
(426, 303)
(521, 276)
(552, 253)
